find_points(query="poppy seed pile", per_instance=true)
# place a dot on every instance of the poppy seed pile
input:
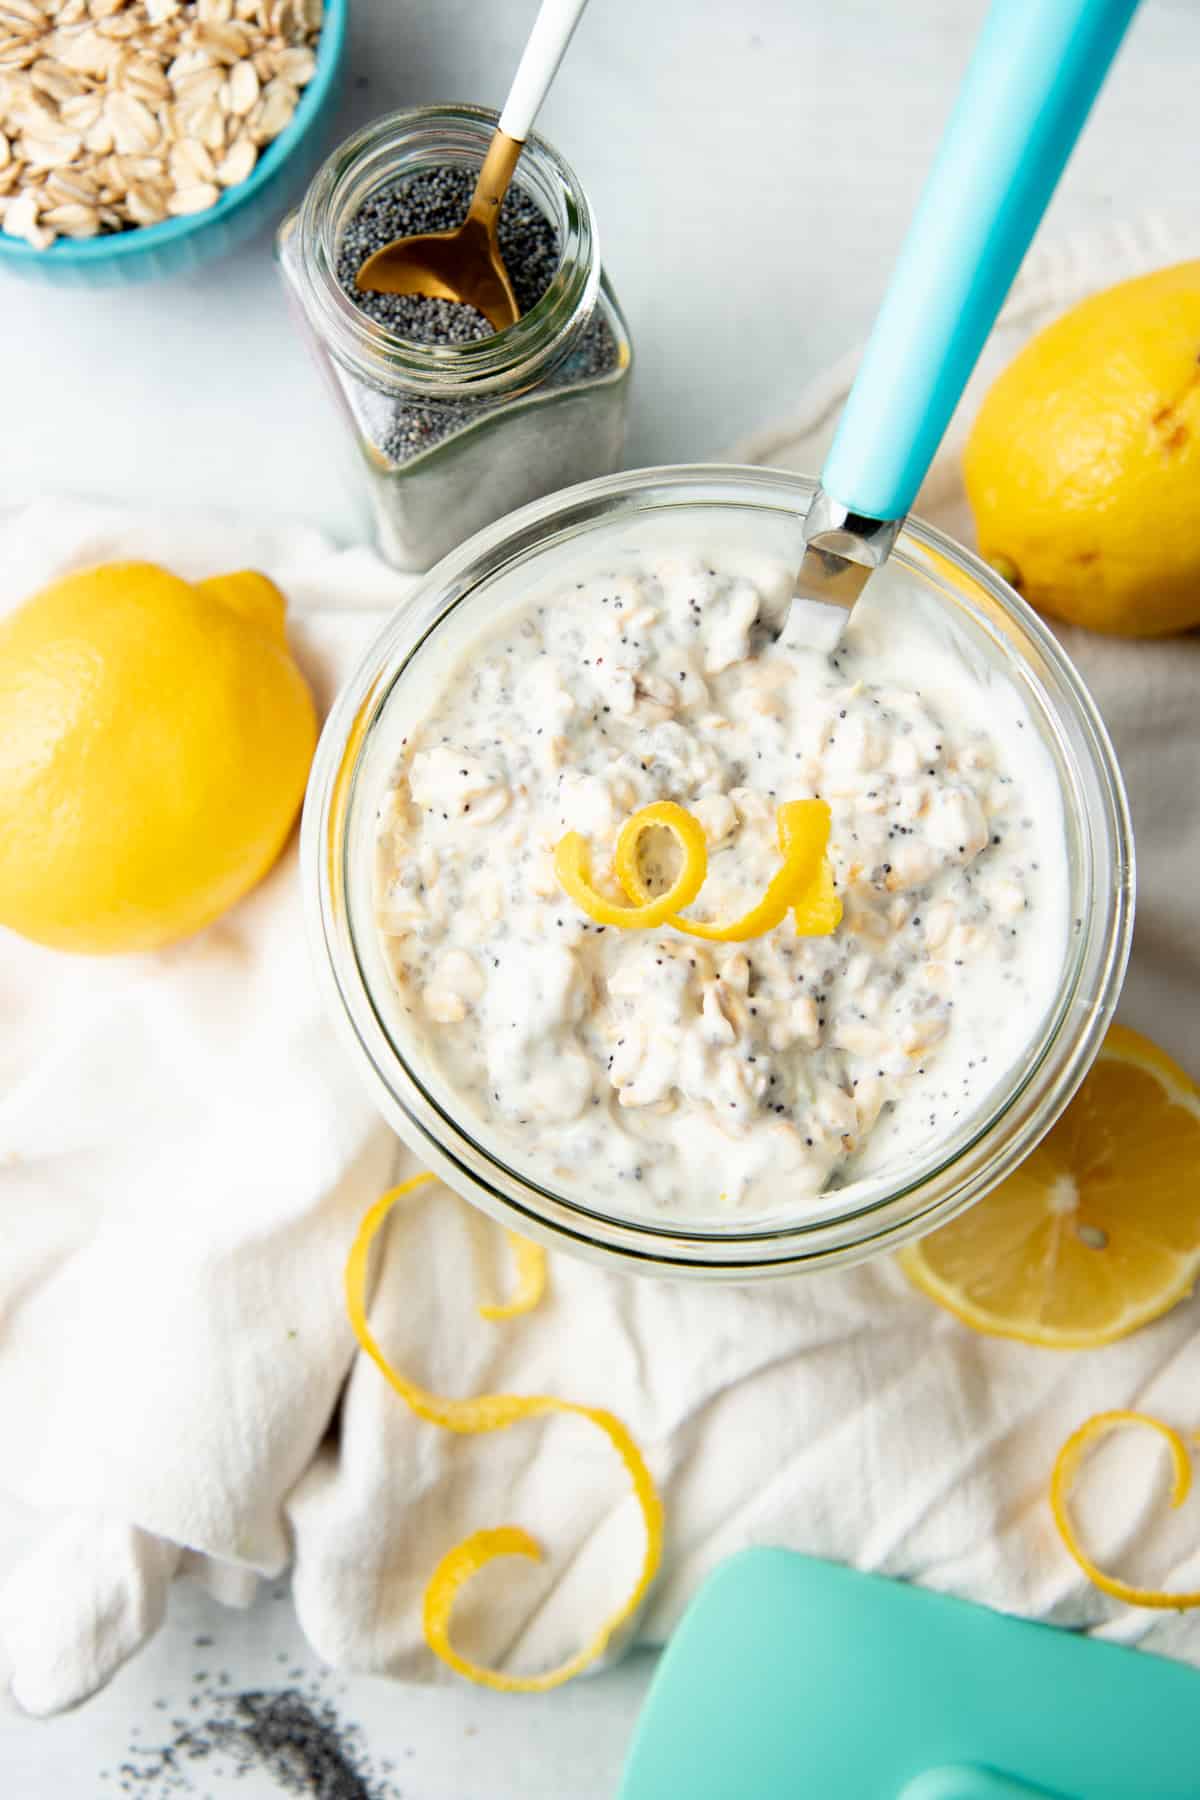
(437, 200)
(296, 1738)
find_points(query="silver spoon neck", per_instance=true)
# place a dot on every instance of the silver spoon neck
(842, 550)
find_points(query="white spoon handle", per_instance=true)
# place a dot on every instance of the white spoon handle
(552, 32)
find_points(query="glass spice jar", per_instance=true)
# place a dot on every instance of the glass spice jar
(452, 436)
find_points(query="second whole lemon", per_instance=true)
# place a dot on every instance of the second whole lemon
(156, 742)
(1083, 466)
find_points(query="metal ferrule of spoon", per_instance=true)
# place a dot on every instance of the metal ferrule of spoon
(1037, 68)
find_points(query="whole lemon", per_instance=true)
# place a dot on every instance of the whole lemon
(1083, 466)
(155, 738)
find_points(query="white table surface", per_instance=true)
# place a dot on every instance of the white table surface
(752, 166)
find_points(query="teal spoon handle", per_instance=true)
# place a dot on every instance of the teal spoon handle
(1035, 73)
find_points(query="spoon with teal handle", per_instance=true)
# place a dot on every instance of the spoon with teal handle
(1036, 70)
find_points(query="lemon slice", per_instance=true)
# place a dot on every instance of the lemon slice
(1098, 1231)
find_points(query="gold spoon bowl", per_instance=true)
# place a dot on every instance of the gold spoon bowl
(465, 265)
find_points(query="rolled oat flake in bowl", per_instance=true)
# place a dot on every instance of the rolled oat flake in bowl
(456, 425)
(118, 115)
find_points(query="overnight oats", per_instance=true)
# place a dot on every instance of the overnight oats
(672, 941)
(774, 1056)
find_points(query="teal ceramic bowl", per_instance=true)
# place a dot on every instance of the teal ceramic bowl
(148, 251)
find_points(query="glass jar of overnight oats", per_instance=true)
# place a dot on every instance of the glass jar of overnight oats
(729, 1108)
(454, 432)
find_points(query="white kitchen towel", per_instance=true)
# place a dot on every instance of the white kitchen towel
(183, 1156)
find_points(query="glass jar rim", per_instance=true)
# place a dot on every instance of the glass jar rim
(427, 136)
(933, 1189)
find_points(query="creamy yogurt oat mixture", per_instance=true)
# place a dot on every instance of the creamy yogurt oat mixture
(649, 1072)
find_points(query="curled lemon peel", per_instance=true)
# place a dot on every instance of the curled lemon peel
(803, 883)
(1062, 1481)
(688, 834)
(531, 1280)
(495, 1412)
(818, 910)
(573, 868)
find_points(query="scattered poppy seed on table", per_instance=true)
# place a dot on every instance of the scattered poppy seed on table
(297, 1738)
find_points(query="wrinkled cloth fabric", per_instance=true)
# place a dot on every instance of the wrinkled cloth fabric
(185, 1154)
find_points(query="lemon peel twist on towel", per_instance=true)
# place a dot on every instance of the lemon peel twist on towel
(531, 1281)
(1062, 1481)
(496, 1412)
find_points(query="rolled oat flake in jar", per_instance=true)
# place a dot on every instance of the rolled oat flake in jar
(454, 424)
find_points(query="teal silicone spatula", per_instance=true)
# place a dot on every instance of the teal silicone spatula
(1036, 70)
(793, 1679)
